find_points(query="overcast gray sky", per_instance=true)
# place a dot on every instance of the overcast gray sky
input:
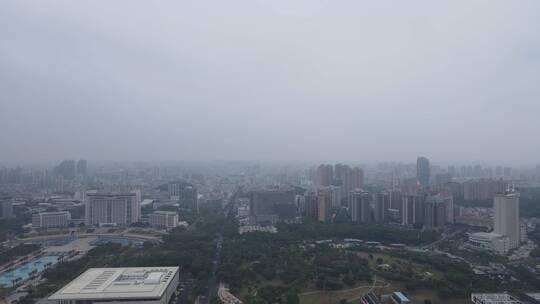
(270, 80)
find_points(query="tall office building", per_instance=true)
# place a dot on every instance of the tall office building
(506, 217)
(453, 189)
(442, 179)
(339, 173)
(81, 167)
(325, 175)
(407, 210)
(413, 210)
(342, 177)
(271, 205)
(449, 205)
(300, 202)
(360, 206)
(409, 186)
(136, 203)
(381, 204)
(507, 172)
(357, 178)
(336, 196)
(112, 209)
(350, 179)
(482, 189)
(422, 172)
(419, 209)
(324, 206)
(312, 205)
(393, 213)
(395, 199)
(185, 193)
(435, 209)
(66, 169)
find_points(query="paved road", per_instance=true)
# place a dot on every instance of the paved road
(212, 284)
(186, 284)
(445, 237)
(372, 286)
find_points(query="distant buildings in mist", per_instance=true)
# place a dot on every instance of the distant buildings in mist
(70, 169)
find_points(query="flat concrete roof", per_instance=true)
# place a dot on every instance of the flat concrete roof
(118, 283)
(486, 235)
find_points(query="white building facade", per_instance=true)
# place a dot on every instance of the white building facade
(148, 285)
(489, 241)
(51, 219)
(506, 217)
(164, 219)
(113, 209)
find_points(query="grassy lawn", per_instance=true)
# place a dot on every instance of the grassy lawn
(333, 297)
(353, 294)
(388, 259)
(244, 292)
(383, 286)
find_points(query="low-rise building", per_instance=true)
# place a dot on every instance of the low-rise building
(400, 298)
(243, 211)
(148, 285)
(493, 271)
(164, 219)
(51, 219)
(489, 241)
(505, 298)
(370, 298)
(256, 228)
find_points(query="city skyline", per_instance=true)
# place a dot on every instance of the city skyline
(269, 151)
(464, 222)
(300, 163)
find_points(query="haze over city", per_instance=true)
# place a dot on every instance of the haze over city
(270, 80)
(269, 152)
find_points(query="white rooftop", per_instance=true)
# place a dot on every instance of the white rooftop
(165, 212)
(147, 201)
(118, 283)
(486, 235)
(401, 296)
(501, 297)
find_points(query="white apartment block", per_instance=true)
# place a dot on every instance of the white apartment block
(51, 219)
(506, 217)
(164, 219)
(113, 209)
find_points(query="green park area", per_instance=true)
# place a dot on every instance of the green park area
(290, 266)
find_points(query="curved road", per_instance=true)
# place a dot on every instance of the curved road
(371, 287)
